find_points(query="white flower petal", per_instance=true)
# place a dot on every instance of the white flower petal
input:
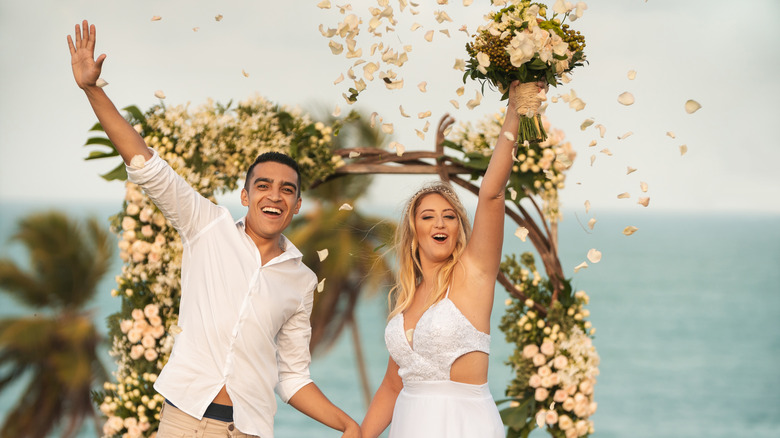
(424, 115)
(509, 136)
(467, 2)
(421, 86)
(455, 103)
(459, 65)
(101, 83)
(644, 201)
(387, 128)
(522, 233)
(324, 4)
(626, 135)
(322, 254)
(594, 255)
(416, 26)
(691, 106)
(420, 134)
(138, 162)
(626, 99)
(429, 36)
(354, 154)
(592, 160)
(372, 119)
(335, 47)
(587, 206)
(369, 70)
(345, 207)
(643, 186)
(460, 91)
(445, 32)
(632, 75)
(606, 152)
(195, 29)
(403, 113)
(398, 147)
(156, 18)
(397, 85)
(321, 286)
(683, 150)
(670, 134)
(623, 195)
(473, 103)
(629, 230)
(592, 143)
(602, 130)
(592, 223)
(630, 170)
(512, 193)
(159, 94)
(428, 125)
(582, 265)
(243, 72)
(339, 79)
(218, 17)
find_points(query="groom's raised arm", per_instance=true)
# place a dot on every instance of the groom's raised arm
(86, 71)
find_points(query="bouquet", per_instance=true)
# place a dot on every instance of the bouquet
(520, 42)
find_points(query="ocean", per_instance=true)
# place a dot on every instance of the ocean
(687, 312)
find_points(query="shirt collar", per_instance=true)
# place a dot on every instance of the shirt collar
(291, 252)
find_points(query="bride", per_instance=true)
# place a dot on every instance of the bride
(438, 330)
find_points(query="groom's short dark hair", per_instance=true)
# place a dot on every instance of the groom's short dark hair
(276, 157)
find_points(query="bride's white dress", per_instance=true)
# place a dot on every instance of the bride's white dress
(430, 405)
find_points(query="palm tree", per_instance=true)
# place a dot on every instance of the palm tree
(56, 348)
(356, 264)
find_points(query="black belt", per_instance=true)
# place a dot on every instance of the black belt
(215, 411)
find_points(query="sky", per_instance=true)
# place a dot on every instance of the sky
(724, 57)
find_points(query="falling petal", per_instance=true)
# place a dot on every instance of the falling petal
(354, 154)
(416, 26)
(323, 254)
(429, 36)
(159, 94)
(372, 119)
(624, 136)
(321, 286)
(369, 70)
(420, 134)
(522, 233)
(643, 186)
(387, 128)
(101, 83)
(445, 32)
(336, 111)
(582, 265)
(626, 98)
(587, 206)
(218, 17)
(424, 114)
(441, 16)
(460, 91)
(592, 159)
(624, 195)
(339, 79)
(335, 47)
(670, 134)
(606, 152)
(398, 147)
(345, 206)
(594, 255)
(691, 106)
(195, 29)
(455, 103)
(577, 104)
(174, 330)
(473, 103)
(421, 86)
(592, 143)
(630, 170)
(644, 201)
(592, 223)
(397, 85)
(509, 136)
(243, 72)
(565, 78)
(403, 113)
(156, 18)
(629, 230)
(324, 4)
(459, 65)
(632, 75)
(467, 2)
(428, 125)
(585, 124)
(602, 130)
(512, 193)
(540, 418)
(683, 150)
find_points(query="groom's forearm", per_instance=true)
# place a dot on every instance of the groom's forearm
(124, 137)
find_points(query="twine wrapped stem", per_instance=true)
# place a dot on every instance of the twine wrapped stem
(528, 101)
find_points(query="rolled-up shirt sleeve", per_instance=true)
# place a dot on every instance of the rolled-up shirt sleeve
(293, 355)
(186, 209)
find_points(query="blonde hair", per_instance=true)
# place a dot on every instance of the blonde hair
(406, 246)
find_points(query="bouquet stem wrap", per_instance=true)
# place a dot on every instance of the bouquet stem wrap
(528, 100)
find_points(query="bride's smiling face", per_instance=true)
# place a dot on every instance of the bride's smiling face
(437, 228)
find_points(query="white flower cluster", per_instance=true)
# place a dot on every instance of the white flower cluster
(143, 332)
(129, 409)
(545, 162)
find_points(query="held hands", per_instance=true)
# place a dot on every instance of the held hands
(352, 431)
(86, 69)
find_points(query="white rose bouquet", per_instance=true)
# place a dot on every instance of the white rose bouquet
(519, 42)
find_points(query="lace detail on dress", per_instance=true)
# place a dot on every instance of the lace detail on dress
(442, 335)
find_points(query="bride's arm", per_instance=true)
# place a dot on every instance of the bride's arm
(380, 411)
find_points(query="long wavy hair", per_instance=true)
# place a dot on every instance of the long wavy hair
(407, 249)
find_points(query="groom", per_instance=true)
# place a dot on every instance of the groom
(246, 295)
